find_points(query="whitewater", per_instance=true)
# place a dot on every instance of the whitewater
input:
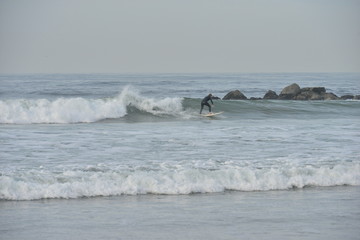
(80, 110)
(131, 143)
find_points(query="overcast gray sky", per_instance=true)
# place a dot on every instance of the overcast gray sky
(116, 36)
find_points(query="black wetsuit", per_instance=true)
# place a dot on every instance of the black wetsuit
(205, 101)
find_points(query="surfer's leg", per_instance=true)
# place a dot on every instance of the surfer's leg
(207, 104)
(202, 106)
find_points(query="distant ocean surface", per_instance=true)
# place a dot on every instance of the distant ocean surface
(135, 146)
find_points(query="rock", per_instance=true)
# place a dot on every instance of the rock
(357, 97)
(235, 95)
(316, 96)
(346, 97)
(318, 90)
(255, 98)
(294, 92)
(290, 92)
(306, 94)
(330, 96)
(271, 95)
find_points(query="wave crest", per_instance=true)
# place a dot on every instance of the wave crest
(81, 110)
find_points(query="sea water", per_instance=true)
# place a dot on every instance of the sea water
(110, 156)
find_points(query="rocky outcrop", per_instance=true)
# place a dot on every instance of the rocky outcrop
(311, 93)
(235, 95)
(271, 95)
(290, 92)
(347, 97)
(350, 97)
(319, 90)
(293, 92)
(330, 96)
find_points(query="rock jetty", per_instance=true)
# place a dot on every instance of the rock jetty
(293, 92)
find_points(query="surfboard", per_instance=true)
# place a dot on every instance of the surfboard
(211, 114)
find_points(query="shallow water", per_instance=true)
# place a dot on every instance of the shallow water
(312, 213)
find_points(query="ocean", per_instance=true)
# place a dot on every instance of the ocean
(127, 156)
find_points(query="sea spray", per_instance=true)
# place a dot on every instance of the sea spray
(131, 97)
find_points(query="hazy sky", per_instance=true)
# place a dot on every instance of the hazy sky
(116, 36)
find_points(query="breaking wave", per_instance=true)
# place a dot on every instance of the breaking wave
(95, 181)
(81, 110)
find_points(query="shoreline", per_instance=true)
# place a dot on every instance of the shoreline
(312, 213)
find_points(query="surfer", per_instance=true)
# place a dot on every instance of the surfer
(205, 102)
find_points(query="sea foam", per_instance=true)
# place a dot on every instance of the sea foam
(100, 181)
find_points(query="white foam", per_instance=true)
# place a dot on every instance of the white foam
(101, 181)
(61, 110)
(130, 96)
(80, 110)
